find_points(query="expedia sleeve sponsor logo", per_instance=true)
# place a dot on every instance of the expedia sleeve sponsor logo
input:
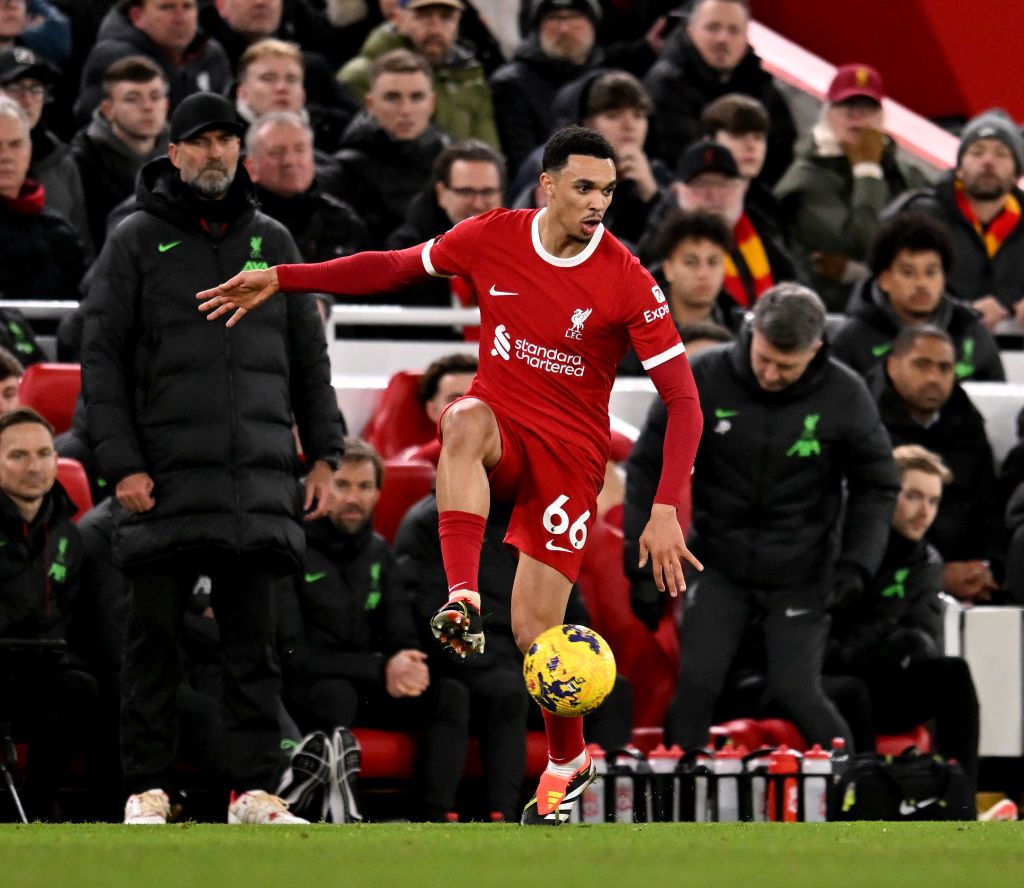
(655, 314)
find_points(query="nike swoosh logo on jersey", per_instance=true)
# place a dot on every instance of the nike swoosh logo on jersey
(554, 548)
(312, 578)
(725, 414)
(797, 611)
(497, 292)
(163, 248)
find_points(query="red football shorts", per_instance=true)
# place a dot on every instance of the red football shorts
(554, 488)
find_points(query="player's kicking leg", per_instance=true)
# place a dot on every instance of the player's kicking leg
(539, 597)
(471, 445)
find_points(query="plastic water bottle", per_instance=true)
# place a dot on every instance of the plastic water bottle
(727, 766)
(756, 767)
(817, 767)
(591, 807)
(663, 764)
(784, 761)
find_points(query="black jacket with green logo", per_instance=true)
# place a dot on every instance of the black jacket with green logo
(970, 522)
(898, 618)
(866, 337)
(205, 409)
(40, 568)
(346, 614)
(771, 471)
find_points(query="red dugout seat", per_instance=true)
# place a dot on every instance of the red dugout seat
(52, 390)
(405, 482)
(74, 480)
(398, 420)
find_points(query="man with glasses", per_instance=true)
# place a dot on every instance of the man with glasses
(468, 180)
(127, 130)
(28, 79)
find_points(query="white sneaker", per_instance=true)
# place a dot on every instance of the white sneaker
(257, 806)
(151, 806)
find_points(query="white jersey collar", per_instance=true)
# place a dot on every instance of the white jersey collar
(572, 261)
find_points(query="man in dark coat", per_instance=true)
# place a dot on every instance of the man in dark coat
(891, 635)
(707, 59)
(910, 259)
(921, 403)
(45, 691)
(194, 429)
(388, 151)
(40, 257)
(350, 650)
(793, 442)
(981, 206)
(191, 61)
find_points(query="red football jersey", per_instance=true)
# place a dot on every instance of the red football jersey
(553, 330)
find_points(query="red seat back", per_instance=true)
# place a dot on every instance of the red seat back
(74, 480)
(894, 744)
(52, 390)
(405, 482)
(649, 660)
(398, 420)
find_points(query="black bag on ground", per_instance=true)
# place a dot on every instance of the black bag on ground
(910, 786)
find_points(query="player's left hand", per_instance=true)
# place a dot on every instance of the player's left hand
(319, 490)
(662, 544)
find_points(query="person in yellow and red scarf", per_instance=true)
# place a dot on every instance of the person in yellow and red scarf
(980, 204)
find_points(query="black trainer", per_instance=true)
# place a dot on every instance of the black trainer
(346, 761)
(304, 786)
(457, 625)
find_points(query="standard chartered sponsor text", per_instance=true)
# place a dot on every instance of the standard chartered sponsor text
(551, 360)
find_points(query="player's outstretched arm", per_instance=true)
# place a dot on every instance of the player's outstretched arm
(242, 293)
(662, 544)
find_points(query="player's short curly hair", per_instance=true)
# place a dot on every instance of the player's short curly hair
(574, 140)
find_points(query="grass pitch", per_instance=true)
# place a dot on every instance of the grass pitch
(470, 855)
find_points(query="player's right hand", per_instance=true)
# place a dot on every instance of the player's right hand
(406, 673)
(134, 492)
(662, 543)
(242, 293)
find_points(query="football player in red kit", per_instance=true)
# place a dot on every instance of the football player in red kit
(560, 301)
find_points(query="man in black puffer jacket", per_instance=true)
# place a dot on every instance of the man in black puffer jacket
(789, 432)
(193, 425)
(350, 650)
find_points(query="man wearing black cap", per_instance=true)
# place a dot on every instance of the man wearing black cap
(981, 206)
(195, 430)
(708, 179)
(28, 79)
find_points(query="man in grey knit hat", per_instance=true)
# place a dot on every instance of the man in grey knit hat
(981, 205)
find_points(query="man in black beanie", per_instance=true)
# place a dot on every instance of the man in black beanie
(195, 430)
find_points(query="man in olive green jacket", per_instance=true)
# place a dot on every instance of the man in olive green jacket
(429, 27)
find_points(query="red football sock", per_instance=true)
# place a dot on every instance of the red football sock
(462, 537)
(565, 737)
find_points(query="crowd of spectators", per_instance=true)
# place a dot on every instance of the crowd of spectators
(362, 125)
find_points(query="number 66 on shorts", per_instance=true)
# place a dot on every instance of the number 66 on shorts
(557, 522)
